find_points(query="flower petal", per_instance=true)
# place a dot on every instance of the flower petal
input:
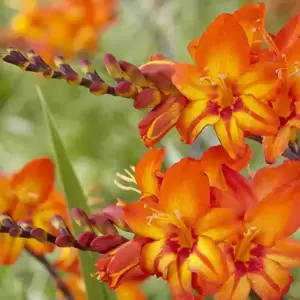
(270, 281)
(185, 190)
(219, 224)
(160, 120)
(145, 171)
(276, 216)
(194, 118)
(130, 290)
(288, 34)
(259, 80)
(156, 257)
(187, 79)
(11, 249)
(251, 17)
(6, 197)
(214, 157)
(35, 181)
(286, 252)
(268, 179)
(39, 248)
(231, 137)
(142, 218)
(192, 47)
(228, 53)
(235, 288)
(208, 261)
(274, 146)
(256, 117)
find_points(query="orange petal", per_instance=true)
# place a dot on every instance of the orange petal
(76, 286)
(194, 118)
(160, 120)
(228, 53)
(192, 47)
(277, 215)
(180, 280)
(6, 197)
(286, 252)
(185, 190)
(146, 169)
(68, 260)
(293, 56)
(241, 188)
(208, 261)
(156, 257)
(187, 79)
(11, 249)
(35, 181)
(288, 34)
(256, 117)
(251, 17)
(214, 157)
(231, 137)
(274, 146)
(235, 288)
(219, 224)
(259, 80)
(268, 179)
(143, 218)
(39, 248)
(130, 290)
(270, 280)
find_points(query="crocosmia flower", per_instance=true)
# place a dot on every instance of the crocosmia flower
(224, 90)
(29, 195)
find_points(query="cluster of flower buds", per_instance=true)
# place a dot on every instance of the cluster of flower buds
(99, 232)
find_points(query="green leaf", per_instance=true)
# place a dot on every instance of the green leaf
(75, 198)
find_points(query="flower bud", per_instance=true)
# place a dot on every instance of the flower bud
(112, 67)
(126, 89)
(115, 215)
(105, 243)
(85, 238)
(133, 74)
(101, 223)
(98, 88)
(147, 98)
(65, 241)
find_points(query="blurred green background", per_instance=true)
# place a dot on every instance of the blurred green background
(100, 133)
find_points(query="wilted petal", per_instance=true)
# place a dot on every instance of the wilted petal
(208, 261)
(268, 179)
(35, 181)
(185, 190)
(146, 169)
(235, 288)
(256, 117)
(187, 79)
(259, 80)
(144, 218)
(270, 280)
(276, 216)
(274, 146)
(214, 157)
(194, 118)
(286, 252)
(11, 249)
(231, 137)
(228, 53)
(220, 224)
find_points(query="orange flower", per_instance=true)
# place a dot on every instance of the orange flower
(31, 197)
(63, 27)
(184, 232)
(224, 90)
(76, 286)
(262, 257)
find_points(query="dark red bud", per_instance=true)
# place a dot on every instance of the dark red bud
(105, 243)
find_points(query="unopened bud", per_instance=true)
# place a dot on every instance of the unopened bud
(133, 74)
(105, 243)
(102, 224)
(126, 89)
(112, 67)
(115, 215)
(85, 239)
(98, 88)
(147, 98)
(64, 241)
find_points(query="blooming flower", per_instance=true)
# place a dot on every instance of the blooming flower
(63, 27)
(29, 195)
(224, 90)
